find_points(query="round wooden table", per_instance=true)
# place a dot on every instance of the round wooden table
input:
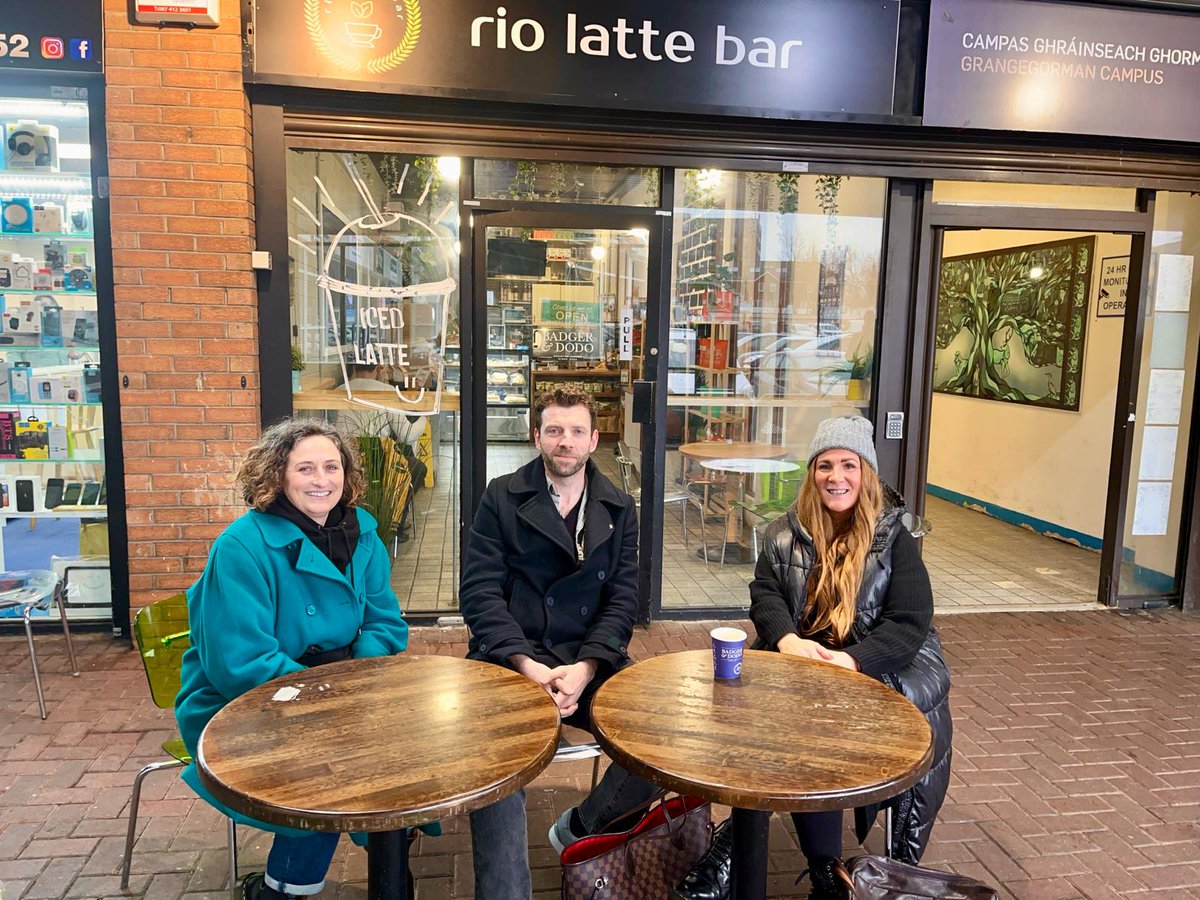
(699, 450)
(790, 735)
(379, 745)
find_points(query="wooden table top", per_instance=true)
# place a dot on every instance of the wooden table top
(791, 735)
(732, 450)
(379, 744)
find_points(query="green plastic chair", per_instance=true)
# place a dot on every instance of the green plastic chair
(781, 491)
(162, 635)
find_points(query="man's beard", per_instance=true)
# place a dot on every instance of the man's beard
(555, 465)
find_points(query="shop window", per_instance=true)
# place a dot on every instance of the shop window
(374, 323)
(548, 181)
(774, 301)
(1052, 196)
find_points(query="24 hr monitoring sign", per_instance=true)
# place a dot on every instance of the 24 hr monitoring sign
(52, 36)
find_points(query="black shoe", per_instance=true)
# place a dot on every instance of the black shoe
(255, 888)
(830, 880)
(710, 878)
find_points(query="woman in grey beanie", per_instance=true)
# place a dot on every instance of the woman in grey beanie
(841, 580)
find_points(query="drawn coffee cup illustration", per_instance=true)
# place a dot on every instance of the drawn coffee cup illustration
(363, 34)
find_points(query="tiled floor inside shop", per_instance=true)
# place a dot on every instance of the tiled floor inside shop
(975, 562)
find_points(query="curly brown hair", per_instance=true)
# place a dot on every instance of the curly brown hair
(261, 473)
(559, 397)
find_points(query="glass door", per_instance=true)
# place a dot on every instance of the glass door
(561, 304)
(1154, 530)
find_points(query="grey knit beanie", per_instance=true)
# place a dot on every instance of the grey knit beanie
(852, 433)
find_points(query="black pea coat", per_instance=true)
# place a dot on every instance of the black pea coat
(523, 589)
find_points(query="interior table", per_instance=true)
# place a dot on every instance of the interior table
(789, 735)
(735, 520)
(699, 451)
(379, 745)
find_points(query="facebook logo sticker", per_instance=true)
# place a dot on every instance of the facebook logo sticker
(81, 48)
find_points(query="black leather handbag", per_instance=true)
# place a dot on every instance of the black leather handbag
(880, 878)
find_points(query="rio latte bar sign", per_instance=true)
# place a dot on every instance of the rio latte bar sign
(1026, 65)
(784, 58)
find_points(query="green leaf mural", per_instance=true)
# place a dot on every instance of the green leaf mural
(1008, 320)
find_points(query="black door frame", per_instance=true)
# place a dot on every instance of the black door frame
(1139, 225)
(477, 217)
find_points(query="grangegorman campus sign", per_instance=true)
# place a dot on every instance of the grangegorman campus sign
(1022, 65)
(781, 58)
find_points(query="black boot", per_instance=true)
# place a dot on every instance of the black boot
(255, 888)
(709, 879)
(830, 880)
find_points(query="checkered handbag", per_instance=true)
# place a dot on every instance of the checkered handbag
(643, 863)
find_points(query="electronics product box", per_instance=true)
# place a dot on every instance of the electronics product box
(3, 381)
(80, 328)
(18, 382)
(16, 215)
(57, 435)
(48, 218)
(22, 274)
(8, 434)
(30, 145)
(33, 440)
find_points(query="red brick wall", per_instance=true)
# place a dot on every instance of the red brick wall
(187, 320)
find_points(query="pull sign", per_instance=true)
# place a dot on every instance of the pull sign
(190, 13)
(894, 429)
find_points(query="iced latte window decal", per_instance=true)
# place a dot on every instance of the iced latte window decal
(386, 281)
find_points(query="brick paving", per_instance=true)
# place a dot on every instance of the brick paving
(1076, 771)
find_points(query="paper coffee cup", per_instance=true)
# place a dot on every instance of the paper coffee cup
(728, 646)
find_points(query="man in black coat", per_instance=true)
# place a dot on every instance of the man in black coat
(549, 588)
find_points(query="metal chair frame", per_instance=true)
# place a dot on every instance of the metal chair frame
(670, 495)
(179, 760)
(56, 595)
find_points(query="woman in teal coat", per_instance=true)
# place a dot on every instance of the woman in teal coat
(300, 580)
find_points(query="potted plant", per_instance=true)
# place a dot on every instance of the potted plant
(388, 483)
(852, 371)
(297, 368)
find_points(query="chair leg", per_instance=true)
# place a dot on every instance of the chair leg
(59, 592)
(235, 889)
(683, 519)
(37, 678)
(887, 831)
(133, 810)
(595, 771)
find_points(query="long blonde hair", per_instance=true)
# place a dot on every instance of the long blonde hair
(840, 554)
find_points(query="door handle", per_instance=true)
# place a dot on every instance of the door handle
(643, 402)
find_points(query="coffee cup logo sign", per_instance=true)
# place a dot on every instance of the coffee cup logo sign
(363, 36)
(393, 314)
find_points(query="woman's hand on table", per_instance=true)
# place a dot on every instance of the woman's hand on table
(843, 659)
(794, 645)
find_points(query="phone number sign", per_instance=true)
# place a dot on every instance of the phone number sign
(52, 36)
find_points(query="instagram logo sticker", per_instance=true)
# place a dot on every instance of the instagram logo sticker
(52, 48)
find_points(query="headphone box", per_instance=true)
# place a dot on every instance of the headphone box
(31, 145)
(16, 216)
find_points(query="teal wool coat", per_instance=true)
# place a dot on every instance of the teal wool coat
(266, 596)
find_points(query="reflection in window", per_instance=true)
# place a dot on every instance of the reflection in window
(773, 309)
(554, 181)
(776, 284)
(374, 312)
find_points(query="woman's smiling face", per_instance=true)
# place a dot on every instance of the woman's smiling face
(838, 476)
(314, 477)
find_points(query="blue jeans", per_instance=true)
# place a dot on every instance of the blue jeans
(297, 865)
(499, 835)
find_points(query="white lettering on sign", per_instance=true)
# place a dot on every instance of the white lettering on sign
(625, 40)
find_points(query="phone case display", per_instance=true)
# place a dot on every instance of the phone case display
(51, 409)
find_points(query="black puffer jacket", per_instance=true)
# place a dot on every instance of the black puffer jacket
(924, 680)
